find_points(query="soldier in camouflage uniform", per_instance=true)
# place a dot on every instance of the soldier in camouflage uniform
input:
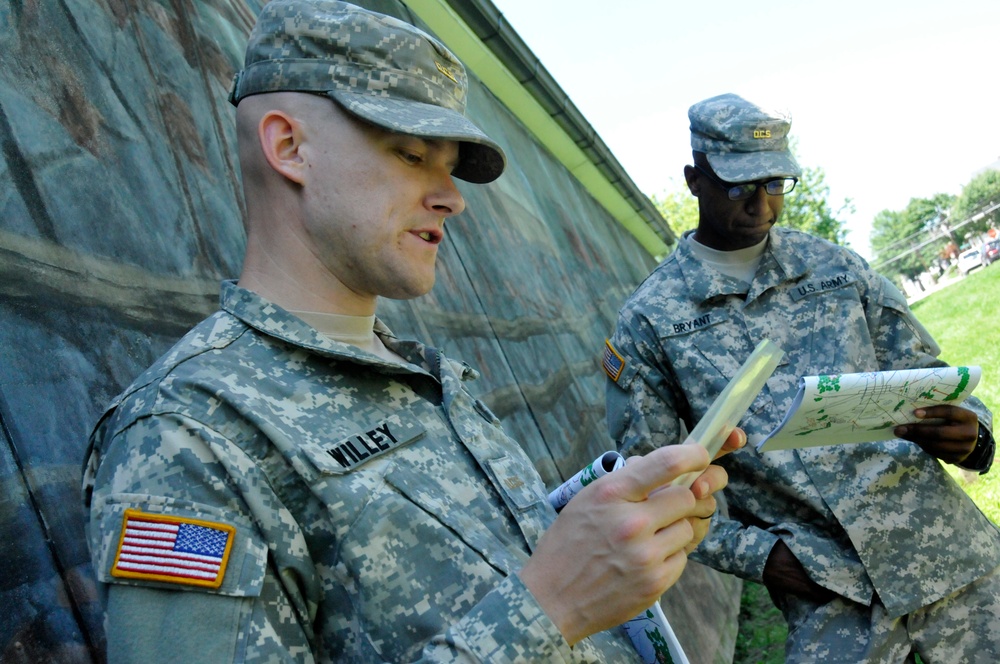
(870, 550)
(293, 483)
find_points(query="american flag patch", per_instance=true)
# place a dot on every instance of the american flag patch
(613, 363)
(173, 549)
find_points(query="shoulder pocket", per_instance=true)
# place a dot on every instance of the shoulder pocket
(517, 480)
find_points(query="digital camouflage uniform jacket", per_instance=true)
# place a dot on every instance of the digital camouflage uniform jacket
(865, 517)
(379, 511)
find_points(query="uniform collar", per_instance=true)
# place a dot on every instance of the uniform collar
(780, 263)
(274, 321)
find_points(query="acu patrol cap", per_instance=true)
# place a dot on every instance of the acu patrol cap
(378, 68)
(743, 142)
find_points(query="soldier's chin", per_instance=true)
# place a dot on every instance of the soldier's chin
(754, 233)
(410, 291)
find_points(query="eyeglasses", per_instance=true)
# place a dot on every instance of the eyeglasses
(743, 191)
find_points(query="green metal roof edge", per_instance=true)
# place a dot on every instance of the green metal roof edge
(492, 51)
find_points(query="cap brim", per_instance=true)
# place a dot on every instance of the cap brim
(751, 166)
(481, 160)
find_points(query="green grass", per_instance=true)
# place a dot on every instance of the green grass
(762, 631)
(964, 319)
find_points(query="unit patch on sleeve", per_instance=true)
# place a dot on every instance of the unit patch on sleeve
(159, 547)
(613, 363)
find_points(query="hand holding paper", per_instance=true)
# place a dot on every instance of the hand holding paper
(864, 407)
(947, 433)
(650, 632)
(641, 508)
(618, 544)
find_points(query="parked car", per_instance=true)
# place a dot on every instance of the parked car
(968, 260)
(990, 252)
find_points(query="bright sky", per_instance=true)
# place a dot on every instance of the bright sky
(893, 99)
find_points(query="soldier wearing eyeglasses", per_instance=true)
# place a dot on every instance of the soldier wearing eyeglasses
(871, 551)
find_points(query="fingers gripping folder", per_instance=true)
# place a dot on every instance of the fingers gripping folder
(650, 632)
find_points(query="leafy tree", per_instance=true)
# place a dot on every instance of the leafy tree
(808, 208)
(981, 193)
(678, 207)
(889, 241)
(908, 242)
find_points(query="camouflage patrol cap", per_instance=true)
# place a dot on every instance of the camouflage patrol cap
(743, 142)
(380, 69)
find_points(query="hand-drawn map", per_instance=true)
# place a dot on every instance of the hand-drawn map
(863, 407)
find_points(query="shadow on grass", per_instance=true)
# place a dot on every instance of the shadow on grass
(762, 631)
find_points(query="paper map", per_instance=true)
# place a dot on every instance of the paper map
(651, 634)
(864, 407)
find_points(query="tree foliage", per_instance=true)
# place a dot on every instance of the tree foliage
(981, 193)
(929, 231)
(808, 208)
(678, 207)
(910, 241)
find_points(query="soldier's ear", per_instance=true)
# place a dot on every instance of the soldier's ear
(692, 180)
(281, 139)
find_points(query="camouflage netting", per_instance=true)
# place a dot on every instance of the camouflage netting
(119, 214)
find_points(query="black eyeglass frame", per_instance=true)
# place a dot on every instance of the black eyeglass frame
(746, 190)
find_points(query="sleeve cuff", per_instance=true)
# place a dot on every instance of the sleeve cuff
(981, 458)
(509, 625)
(732, 549)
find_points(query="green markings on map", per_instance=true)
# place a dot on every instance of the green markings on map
(963, 380)
(828, 384)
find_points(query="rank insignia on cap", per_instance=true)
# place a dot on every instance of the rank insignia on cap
(613, 363)
(158, 547)
(444, 70)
